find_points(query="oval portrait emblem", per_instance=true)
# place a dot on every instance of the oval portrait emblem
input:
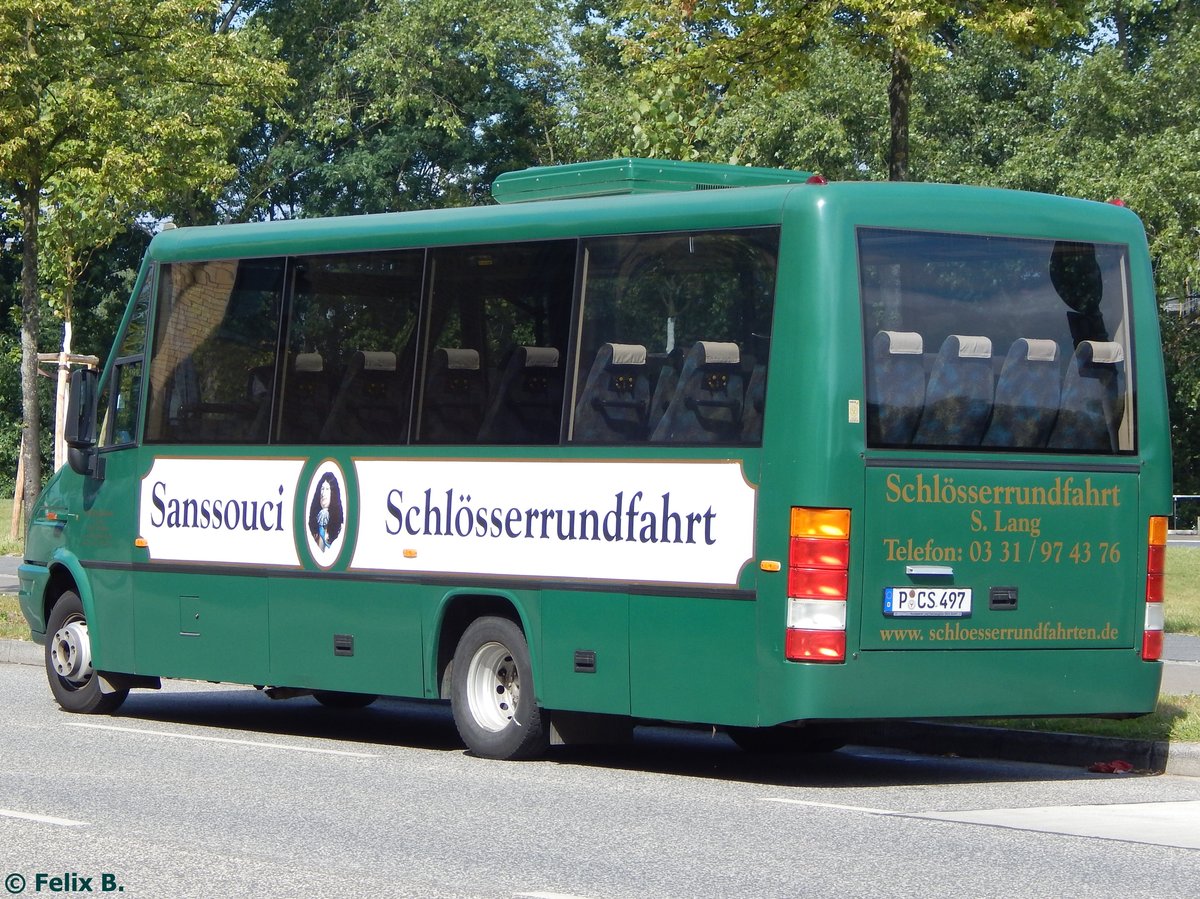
(325, 518)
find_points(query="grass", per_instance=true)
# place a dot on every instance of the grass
(1176, 718)
(8, 546)
(12, 622)
(1182, 604)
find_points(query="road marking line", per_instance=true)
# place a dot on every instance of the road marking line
(541, 895)
(41, 819)
(846, 808)
(163, 733)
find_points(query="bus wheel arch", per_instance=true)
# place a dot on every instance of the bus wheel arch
(62, 581)
(457, 613)
(492, 692)
(73, 680)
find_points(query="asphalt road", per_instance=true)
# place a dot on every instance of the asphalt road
(212, 791)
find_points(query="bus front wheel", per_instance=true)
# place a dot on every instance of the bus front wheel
(73, 681)
(492, 695)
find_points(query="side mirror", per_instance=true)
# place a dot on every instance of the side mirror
(79, 430)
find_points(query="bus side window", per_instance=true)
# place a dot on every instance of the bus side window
(500, 314)
(699, 305)
(127, 403)
(217, 323)
(120, 403)
(351, 348)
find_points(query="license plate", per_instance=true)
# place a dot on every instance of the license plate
(927, 602)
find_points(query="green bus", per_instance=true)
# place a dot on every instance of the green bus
(643, 441)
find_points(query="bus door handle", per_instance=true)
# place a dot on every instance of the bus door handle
(929, 571)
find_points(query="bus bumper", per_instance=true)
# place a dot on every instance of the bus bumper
(965, 684)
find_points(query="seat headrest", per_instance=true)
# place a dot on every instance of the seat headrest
(972, 346)
(540, 356)
(308, 362)
(719, 352)
(1102, 352)
(627, 353)
(904, 343)
(460, 359)
(378, 360)
(1037, 350)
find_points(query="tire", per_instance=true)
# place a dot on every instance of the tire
(492, 693)
(811, 739)
(73, 680)
(334, 700)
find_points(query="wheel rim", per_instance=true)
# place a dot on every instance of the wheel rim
(493, 687)
(71, 652)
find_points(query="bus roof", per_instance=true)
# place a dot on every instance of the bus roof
(631, 176)
(633, 204)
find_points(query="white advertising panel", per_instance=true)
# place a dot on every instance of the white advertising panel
(638, 522)
(221, 510)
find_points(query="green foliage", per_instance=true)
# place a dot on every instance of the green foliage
(110, 109)
(835, 123)
(690, 59)
(402, 104)
(117, 106)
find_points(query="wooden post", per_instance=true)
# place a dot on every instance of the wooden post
(64, 360)
(18, 492)
(60, 399)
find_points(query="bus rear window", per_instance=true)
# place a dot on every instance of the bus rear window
(980, 342)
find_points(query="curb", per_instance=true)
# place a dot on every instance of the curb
(1044, 747)
(933, 738)
(20, 652)
(1184, 758)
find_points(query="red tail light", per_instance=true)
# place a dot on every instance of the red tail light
(1156, 557)
(818, 578)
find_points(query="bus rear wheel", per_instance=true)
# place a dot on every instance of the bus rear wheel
(73, 681)
(492, 694)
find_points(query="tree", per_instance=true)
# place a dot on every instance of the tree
(687, 58)
(694, 55)
(834, 123)
(912, 36)
(403, 104)
(108, 108)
